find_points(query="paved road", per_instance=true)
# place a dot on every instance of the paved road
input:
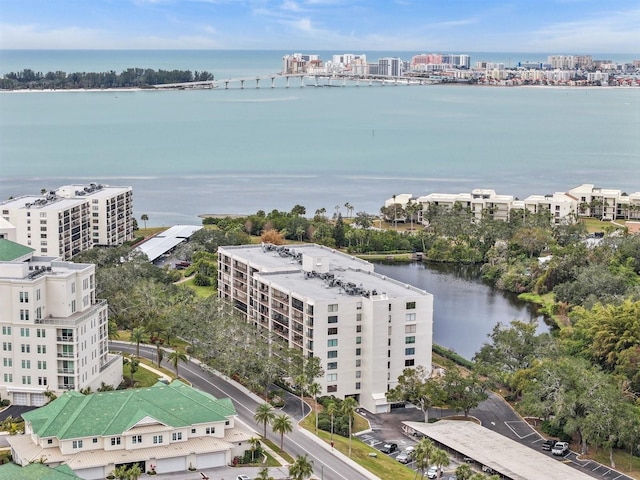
(327, 465)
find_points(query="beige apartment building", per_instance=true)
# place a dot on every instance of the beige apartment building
(365, 327)
(72, 219)
(53, 330)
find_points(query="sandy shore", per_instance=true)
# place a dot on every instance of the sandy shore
(75, 90)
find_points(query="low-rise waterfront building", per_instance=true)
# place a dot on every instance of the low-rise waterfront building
(164, 429)
(365, 328)
(53, 329)
(72, 219)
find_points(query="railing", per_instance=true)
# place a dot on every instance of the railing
(66, 370)
(66, 355)
(65, 339)
(68, 386)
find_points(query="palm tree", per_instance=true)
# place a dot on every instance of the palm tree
(332, 409)
(264, 415)
(422, 455)
(255, 444)
(314, 389)
(301, 381)
(349, 406)
(282, 424)
(301, 468)
(175, 358)
(440, 459)
(159, 353)
(134, 472)
(138, 336)
(263, 474)
(464, 472)
(144, 217)
(121, 472)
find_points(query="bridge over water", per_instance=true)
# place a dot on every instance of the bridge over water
(300, 80)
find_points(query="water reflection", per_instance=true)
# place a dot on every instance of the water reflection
(465, 308)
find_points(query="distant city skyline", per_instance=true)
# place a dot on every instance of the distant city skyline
(561, 26)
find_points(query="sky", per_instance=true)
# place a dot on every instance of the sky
(562, 26)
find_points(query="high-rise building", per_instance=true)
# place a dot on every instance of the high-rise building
(53, 329)
(72, 219)
(365, 328)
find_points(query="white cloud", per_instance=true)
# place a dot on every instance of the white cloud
(35, 37)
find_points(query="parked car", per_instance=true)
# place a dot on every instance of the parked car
(403, 457)
(560, 448)
(433, 472)
(409, 450)
(548, 444)
(243, 477)
(389, 447)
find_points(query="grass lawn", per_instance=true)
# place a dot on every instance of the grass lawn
(382, 465)
(276, 448)
(202, 292)
(594, 225)
(176, 343)
(142, 378)
(625, 463)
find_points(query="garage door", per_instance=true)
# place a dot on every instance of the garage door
(38, 399)
(20, 398)
(210, 460)
(167, 465)
(96, 473)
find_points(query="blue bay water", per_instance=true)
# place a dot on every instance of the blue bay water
(237, 151)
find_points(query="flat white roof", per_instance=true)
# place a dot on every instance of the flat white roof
(496, 451)
(165, 241)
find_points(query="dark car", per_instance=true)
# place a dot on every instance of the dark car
(389, 447)
(548, 445)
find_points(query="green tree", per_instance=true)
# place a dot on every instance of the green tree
(263, 474)
(174, 358)
(416, 387)
(339, 235)
(332, 409)
(138, 335)
(464, 472)
(315, 389)
(348, 408)
(159, 353)
(422, 455)
(282, 424)
(133, 367)
(255, 445)
(440, 458)
(144, 217)
(462, 392)
(301, 468)
(264, 415)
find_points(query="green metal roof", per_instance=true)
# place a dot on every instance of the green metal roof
(36, 471)
(74, 415)
(11, 250)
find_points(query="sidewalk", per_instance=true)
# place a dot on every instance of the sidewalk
(157, 372)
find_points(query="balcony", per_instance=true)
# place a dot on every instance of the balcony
(66, 386)
(66, 339)
(67, 371)
(66, 355)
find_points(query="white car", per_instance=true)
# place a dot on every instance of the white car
(243, 477)
(403, 457)
(433, 472)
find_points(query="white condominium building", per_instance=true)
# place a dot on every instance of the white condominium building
(72, 219)
(365, 328)
(54, 332)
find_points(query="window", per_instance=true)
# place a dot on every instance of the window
(358, 328)
(25, 348)
(49, 441)
(41, 333)
(332, 377)
(24, 314)
(24, 332)
(7, 362)
(332, 319)
(26, 363)
(42, 380)
(409, 339)
(176, 436)
(136, 439)
(42, 349)
(409, 351)
(359, 306)
(8, 378)
(358, 363)
(332, 331)
(95, 440)
(333, 307)
(157, 439)
(332, 354)
(6, 346)
(332, 342)
(410, 317)
(358, 317)
(332, 388)
(77, 444)
(6, 330)
(357, 385)
(24, 297)
(358, 351)
(411, 305)
(409, 363)
(42, 365)
(26, 380)
(389, 307)
(193, 430)
(210, 430)
(358, 340)
(330, 365)
(358, 373)
(410, 329)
